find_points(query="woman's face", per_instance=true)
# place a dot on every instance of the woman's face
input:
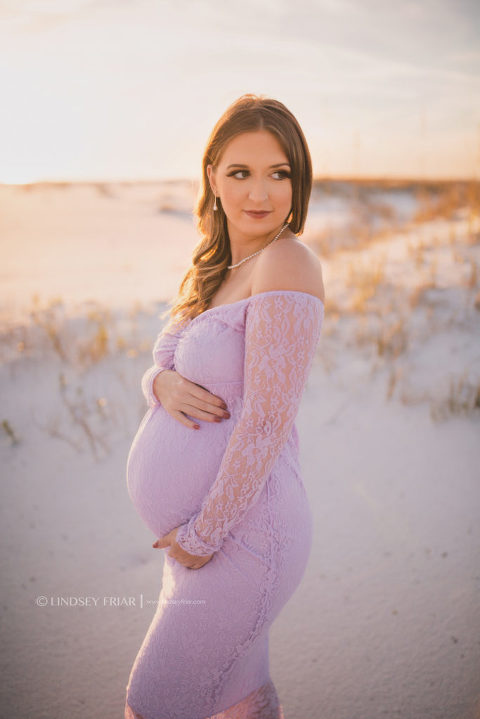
(253, 175)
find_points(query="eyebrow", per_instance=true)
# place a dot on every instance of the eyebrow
(239, 164)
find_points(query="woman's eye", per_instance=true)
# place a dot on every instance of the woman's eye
(283, 174)
(237, 172)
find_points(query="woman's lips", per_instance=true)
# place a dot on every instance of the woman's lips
(257, 215)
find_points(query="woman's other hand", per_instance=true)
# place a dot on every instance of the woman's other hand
(179, 396)
(191, 561)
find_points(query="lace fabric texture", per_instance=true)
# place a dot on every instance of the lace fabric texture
(281, 333)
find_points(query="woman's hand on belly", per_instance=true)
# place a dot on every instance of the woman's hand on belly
(179, 396)
(191, 561)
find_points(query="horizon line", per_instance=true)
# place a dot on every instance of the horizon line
(190, 180)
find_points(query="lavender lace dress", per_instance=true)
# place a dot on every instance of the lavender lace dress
(236, 489)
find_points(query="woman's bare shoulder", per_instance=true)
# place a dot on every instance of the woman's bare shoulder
(288, 265)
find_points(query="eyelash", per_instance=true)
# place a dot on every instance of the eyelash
(280, 172)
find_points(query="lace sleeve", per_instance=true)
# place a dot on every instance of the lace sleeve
(281, 333)
(163, 351)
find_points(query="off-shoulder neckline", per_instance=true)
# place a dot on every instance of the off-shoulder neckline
(258, 294)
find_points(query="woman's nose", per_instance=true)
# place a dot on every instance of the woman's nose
(257, 191)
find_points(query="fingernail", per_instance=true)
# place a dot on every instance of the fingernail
(196, 426)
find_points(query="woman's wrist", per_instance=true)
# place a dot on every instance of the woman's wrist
(150, 383)
(156, 382)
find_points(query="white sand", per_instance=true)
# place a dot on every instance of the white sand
(386, 620)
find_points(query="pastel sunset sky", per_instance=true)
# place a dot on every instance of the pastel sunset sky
(130, 89)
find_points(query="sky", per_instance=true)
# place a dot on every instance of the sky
(130, 89)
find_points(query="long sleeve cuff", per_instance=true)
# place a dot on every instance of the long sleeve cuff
(163, 357)
(189, 540)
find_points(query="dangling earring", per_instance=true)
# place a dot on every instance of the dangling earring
(215, 208)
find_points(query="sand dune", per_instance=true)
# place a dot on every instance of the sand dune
(386, 620)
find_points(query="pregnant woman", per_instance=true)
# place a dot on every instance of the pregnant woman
(223, 491)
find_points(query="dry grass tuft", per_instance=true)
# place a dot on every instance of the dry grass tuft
(462, 398)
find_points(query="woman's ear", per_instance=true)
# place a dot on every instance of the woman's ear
(211, 178)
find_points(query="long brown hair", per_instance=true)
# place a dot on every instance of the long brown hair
(212, 254)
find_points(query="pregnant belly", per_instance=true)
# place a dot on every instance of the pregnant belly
(171, 467)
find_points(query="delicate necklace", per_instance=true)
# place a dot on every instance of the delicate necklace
(230, 267)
